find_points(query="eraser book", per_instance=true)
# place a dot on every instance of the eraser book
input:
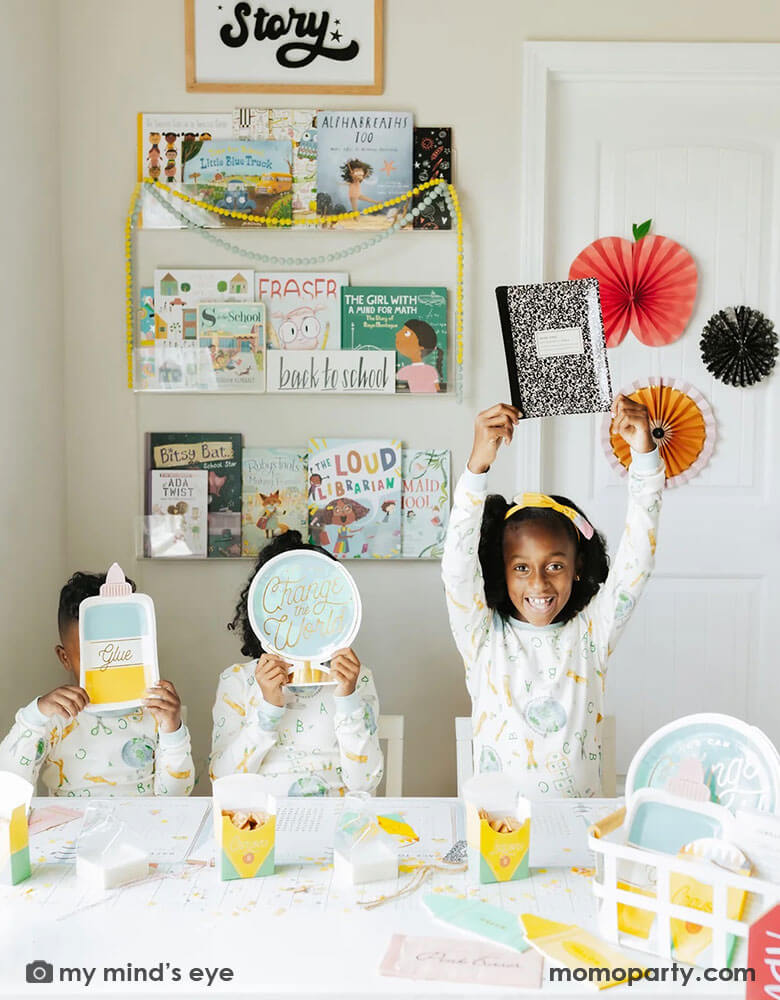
(556, 354)
(302, 309)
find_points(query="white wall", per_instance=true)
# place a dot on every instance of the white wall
(32, 498)
(450, 63)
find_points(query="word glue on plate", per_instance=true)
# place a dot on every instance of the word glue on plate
(118, 638)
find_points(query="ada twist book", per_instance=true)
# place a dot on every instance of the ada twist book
(274, 495)
(220, 455)
(178, 511)
(355, 497)
(556, 354)
(412, 321)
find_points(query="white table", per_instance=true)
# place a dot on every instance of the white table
(291, 934)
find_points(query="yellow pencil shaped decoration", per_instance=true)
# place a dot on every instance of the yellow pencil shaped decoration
(579, 950)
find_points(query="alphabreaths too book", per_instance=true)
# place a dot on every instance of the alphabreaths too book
(556, 354)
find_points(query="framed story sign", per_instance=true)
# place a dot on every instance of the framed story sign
(306, 47)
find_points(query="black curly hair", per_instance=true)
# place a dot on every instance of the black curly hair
(355, 164)
(79, 586)
(289, 541)
(592, 559)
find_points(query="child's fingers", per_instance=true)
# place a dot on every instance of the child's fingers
(66, 705)
(501, 408)
(348, 655)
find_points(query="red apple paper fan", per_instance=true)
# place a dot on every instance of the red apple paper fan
(648, 287)
(682, 423)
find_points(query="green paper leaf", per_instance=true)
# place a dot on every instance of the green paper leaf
(642, 229)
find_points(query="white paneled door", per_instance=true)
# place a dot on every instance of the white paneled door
(688, 135)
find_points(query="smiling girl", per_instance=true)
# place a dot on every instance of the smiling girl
(536, 613)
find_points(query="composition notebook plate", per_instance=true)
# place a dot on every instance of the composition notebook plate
(741, 765)
(304, 606)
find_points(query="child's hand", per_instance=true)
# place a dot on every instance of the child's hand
(491, 428)
(271, 674)
(66, 701)
(165, 705)
(345, 668)
(632, 422)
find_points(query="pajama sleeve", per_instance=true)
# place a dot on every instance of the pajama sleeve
(174, 772)
(635, 556)
(242, 735)
(27, 745)
(362, 763)
(464, 588)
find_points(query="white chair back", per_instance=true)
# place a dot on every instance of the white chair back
(391, 730)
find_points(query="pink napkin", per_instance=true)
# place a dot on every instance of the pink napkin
(460, 961)
(48, 817)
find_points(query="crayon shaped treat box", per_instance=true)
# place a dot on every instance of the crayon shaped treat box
(118, 639)
(498, 829)
(15, 796)
(244, 826)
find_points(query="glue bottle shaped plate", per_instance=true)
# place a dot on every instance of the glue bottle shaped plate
(304, 606)
(118, 640)
(738, 765)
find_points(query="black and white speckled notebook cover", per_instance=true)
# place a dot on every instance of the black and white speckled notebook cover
(556, 354)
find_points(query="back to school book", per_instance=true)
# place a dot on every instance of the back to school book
(556, 354)
(220, 455)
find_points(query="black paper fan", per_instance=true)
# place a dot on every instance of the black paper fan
(739, 345)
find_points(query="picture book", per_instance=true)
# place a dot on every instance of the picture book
(164, 142)
(302, 310)
(220, 455)
(425, 502)
(299, 126)
(355, 497)
(556, 354)
(364, 158)
(432, 160)
(253, 176)
(274, 495)
(176, 290)
(145, 316)
(231, 341)
(178, 512)
(410, 321)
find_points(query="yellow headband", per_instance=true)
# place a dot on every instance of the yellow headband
(523, 500)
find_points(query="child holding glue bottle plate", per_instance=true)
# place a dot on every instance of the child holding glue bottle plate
(536, 612)
(91, 754)
(304, 739)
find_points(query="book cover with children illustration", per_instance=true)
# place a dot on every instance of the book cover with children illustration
(165, 141)
(178, 511)
(220, 455)
(364, 158)
(252, 176)
(231, 340)
(355, 497)
(410, 321)
(302, 309)
(274, 497)
(425, 502)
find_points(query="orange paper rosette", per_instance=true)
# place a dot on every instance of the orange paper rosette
(682, 423)
(648, 287)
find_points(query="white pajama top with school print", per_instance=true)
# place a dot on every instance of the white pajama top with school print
(316, 744)
(98, 756)
(538, 692)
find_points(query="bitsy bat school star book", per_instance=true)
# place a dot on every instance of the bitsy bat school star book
(556, 354)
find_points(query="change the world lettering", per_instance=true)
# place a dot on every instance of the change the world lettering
(296, 611)
(301, 24)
